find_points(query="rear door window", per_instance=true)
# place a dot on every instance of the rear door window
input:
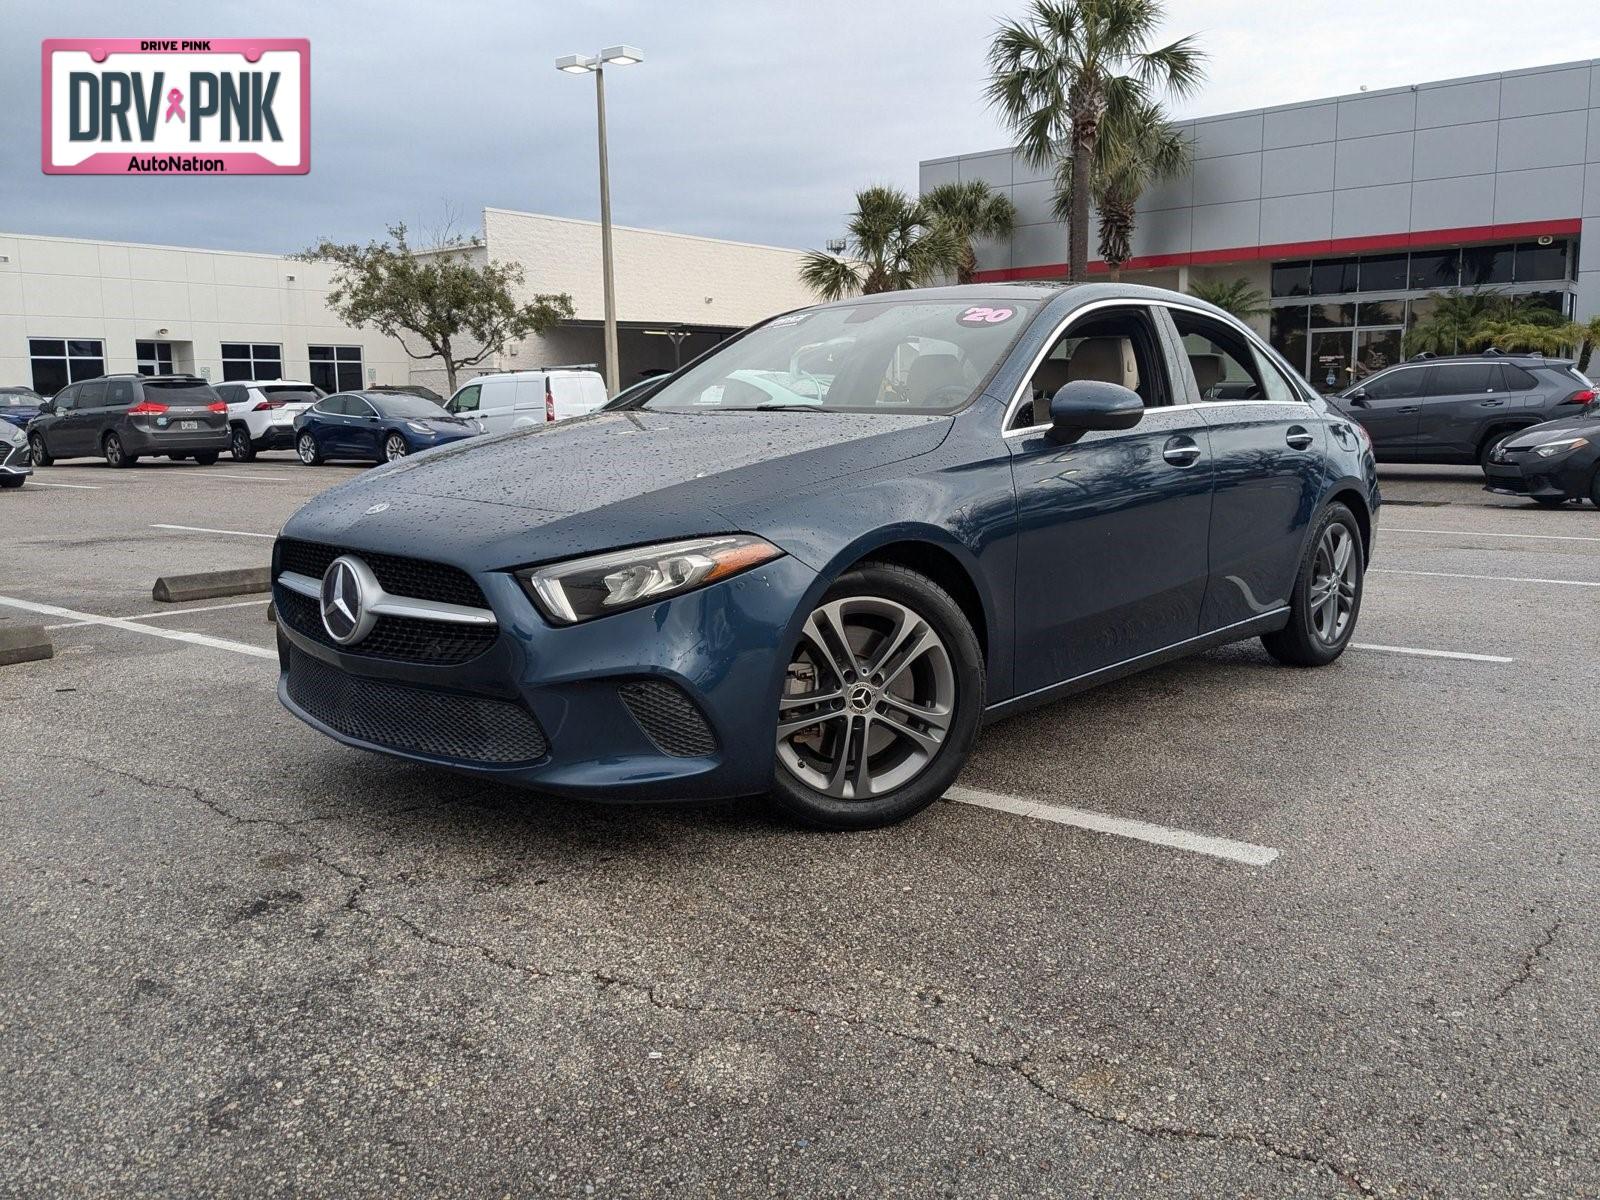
(92, 395)
(1462, 379)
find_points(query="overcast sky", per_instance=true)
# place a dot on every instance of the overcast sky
(749, 120)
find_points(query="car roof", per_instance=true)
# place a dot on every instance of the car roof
(1055, 298)
(268, 382)
(1518, 359)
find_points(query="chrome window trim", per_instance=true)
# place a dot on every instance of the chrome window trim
(384, 604)
(1066, 322)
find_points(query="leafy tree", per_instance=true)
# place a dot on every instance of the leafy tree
(462, 312)
(968, 211)
(1072, 66)
(1234, 296)
(892, 242)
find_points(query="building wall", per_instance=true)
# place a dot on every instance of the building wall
(122, 293)
(1492, 157)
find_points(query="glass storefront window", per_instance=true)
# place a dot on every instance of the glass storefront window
(1323, 315)
(1541, 264)
(1383, 273)
(1485, 265)
(1435, 271)
(1555, 302)
(1291, 279)
(1333, 276)
(1289, 334)
(1330, 359)
(1375, 350)
(1381, 312)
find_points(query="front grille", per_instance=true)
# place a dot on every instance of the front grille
(669, 718)
(16, 456)
(397, 716)
(413, 577)
(402, 639)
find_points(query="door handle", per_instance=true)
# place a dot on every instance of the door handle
(1299, 438)
(1410, 408)
(1181, 452)
(1490, 403)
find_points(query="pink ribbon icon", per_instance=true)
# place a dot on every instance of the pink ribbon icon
(175, 105)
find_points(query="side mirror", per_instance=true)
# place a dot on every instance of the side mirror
(1358, 397)
(47, 406)
(1086, 404)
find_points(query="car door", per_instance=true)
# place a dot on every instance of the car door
(1461, 400)
(1389, 406)
(464, 404)
(325, 420)
(1268, 444)
(495, 405)
(1111, 529)
(89, 420)
(361, 428)
(56, 427)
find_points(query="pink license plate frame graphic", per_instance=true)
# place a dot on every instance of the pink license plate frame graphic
(116, 162)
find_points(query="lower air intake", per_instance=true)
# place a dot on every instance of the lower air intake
(414, 720)
(669, 718)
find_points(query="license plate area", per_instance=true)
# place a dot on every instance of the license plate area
(188, 426)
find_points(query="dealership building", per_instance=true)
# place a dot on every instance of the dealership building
(73, 309)
(1350, 213)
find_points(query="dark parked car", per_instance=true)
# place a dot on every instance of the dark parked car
(125, 417)
(16, 462)
(379, 426)
(819, 587)
(1454, 410)
(1551, 463)
(19, 405)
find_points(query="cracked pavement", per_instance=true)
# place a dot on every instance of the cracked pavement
(241, 959)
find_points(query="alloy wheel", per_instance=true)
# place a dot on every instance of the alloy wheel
(113, 450)
(868, 700)
(394, 447)
(1335, 577)
(240, 447)
(306, 448)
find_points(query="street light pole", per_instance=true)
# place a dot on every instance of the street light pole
(612, 370)
(577, 64)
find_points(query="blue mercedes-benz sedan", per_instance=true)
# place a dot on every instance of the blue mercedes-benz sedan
(376, 426)
(816, 559)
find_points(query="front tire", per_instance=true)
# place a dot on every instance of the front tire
(305, 447)
(239, 445)
(38, 451)
(880, 704)
(12, 481)
(395, 447)
(1327, 594)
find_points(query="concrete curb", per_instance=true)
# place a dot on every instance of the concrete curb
(208, 585)
(24, 643)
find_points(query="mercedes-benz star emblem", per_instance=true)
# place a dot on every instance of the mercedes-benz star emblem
(348, 586)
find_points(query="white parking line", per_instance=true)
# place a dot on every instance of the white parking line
(174, 635)
(1491, 578)
(84, 487)
(1142, 831)
(1543, 537)
(1421, 653)
(170, 612)
(237, 476)
(203, 529)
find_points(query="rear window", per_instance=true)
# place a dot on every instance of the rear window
(292, 395)
(181, 391)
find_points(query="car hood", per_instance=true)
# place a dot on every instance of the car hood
(1539, 434)
(603, 480)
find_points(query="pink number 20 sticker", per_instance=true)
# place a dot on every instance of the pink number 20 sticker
(986, 316)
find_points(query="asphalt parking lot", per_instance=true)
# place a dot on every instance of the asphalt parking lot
(1223, 929)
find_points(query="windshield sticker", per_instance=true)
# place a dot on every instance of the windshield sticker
(986, 316)
(790, 319)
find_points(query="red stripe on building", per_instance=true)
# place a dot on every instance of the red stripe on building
(1376, 243)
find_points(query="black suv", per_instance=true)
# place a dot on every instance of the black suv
(124, 416)
(1456, 409)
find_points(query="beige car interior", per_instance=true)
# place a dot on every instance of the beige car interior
(1105, 358)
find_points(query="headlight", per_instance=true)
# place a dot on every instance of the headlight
(584, 588)
(1551, 449)
(419, 427)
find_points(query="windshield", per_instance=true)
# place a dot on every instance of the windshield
(402, 404)
(923, 356)
(19, 399)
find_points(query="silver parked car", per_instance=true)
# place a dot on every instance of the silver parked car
(124, 417)
(15, 459)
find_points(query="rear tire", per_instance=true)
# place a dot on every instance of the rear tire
(38, 451)
(870, 759)
(1594, 488)
(1549, 501)
(1327, 594)
(306, 447)
(206, 458)
(240, 446)
(115, 454)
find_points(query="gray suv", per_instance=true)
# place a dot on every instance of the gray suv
(122, 417)
(1456, 409)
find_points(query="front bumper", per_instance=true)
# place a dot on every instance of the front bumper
(674, 701)
(16, 460)
(1555, 478)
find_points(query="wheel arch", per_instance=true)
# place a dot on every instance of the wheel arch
(1352, 498)
(935, 557)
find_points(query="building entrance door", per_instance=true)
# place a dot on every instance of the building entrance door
(1332, 352)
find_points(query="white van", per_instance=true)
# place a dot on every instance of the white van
(497, 403)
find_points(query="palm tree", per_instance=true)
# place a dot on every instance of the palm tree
(1072, 65)
(1234, 296)
(1134, 150)
(1455, 318)
(891, 243)
(1541, 330)
(968, 211)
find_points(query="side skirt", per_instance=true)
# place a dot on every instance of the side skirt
(1238, 632)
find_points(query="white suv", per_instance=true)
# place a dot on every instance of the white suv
(261, 413)
(496, 403)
